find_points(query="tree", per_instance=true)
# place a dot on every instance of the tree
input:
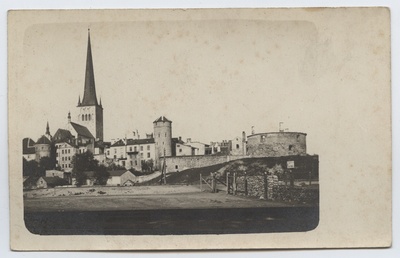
(31, 168)
(101, 175)
(114, 166)
(83, 162)
(150, 165)
(47, 163)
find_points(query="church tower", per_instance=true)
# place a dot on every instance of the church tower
(90, 112)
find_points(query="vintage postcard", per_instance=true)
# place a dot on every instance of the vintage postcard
(199, 129)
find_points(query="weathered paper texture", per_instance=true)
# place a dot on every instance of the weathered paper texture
(329, 66)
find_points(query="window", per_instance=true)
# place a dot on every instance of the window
(62, 151)
(237, 146)
(141, 148)
(165, 134)
(158, 135)
(180, 150)
(115, 156)
(108, 153)
(69, 151)
(89, 117)
(290, 147)
(123, 163)
(135, 148)
(135, 162)
(148, 155)
(115, 151)
(178, 145)
(176, 166)
(148, 147)
(141, 155)
(130, 148)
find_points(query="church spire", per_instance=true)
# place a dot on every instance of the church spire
(79, 100)
(89, 95)
(47, 128)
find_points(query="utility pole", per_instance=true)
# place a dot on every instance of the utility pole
(164, 170)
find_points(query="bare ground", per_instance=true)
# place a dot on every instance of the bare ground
(139, 198)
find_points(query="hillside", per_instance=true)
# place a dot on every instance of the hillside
(252, 166)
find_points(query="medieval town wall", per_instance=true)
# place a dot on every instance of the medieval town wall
(176, 164)
(276, 144)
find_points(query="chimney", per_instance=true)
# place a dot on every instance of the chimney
(189, 140)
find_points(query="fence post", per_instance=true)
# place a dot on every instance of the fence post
(245, 183)
(291, 178)
(234, 183)
(227, 183)
(265, 186)
(201, 189)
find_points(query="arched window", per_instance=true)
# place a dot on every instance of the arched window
(89, 117)
(86, 117)
(83, 117)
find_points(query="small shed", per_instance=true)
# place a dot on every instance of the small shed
(121, 177)
(46, 182)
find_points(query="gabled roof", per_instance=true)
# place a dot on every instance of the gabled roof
(28, 146)
(162, 119)
(140, 141)
(62, 135)
(101, 144)
(176, 140)
(82, 130)
(118, 143)
(118, 172)
(53, 181)
(30, 181)
(43, 140)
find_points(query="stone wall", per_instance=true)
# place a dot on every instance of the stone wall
(276, 144)
(256, 185)
(176, 164)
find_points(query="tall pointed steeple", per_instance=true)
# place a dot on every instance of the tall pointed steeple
(89, 95)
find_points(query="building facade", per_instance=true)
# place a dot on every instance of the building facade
(276, 144)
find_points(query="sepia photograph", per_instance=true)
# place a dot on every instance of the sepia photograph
(142, 123)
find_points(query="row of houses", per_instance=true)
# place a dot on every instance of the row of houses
(125, 152)
(55, 178)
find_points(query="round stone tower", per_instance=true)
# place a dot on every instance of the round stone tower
(162, 139)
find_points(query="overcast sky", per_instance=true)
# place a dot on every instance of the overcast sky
(212, 78)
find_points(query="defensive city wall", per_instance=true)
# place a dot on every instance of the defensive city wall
(176, 164)
(271, 144)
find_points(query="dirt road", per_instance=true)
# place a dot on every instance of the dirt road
(193, 200)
